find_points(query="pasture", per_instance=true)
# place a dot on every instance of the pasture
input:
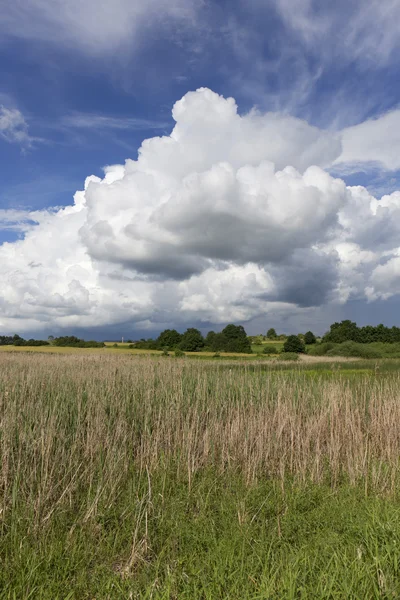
(126, 476)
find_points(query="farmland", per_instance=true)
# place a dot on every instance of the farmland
(126, 476)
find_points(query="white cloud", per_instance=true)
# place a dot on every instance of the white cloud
(376, 140)
(13, 127)
(350, 30)
(104, 122)
(226, 219)
(93, 26)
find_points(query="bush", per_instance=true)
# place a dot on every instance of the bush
(192, 340)
(353, 349)
(294, 344)
(268, 349)
(289, 356)
(309, 338)
(321, 349)
(169, 338)
(179, 353)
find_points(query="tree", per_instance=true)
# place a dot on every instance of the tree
(343, 332)
(209, 339)
(309, 338)
(236, 339)
(169, 338)
(294, 344)
(271, 334)
(219, 342)
(192, 340)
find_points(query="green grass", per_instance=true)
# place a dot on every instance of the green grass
(126, 477)
(217, 539)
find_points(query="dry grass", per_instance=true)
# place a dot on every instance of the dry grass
(66, 419)
(133, 469)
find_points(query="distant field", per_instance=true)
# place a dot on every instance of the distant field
(259, 347)
(130, 477)
(109, 349)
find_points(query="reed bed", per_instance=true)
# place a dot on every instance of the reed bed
(77, 429)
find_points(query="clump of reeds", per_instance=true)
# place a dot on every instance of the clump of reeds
(75, 426)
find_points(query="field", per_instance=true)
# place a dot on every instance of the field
(130, 477)
(120, 348)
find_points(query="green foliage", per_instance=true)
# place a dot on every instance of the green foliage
(209, 340)
(72, 341)
(169, 338)
(192, 340)
(309, 338)
(355, 349)
(179, 353)
(321, 349)
(16, 340)
(146, 344)
(293, 344)
(348, 331)
(271, 334)
(236, 339)
(289, 356)
(269, 349)
(232, 338)
(31, 342)
(352, 349)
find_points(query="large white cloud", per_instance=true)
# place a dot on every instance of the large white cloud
(226, 219)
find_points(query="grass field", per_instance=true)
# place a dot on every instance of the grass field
(136, 477)
(121, 348)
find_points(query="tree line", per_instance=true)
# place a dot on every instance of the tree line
(346, 331)
(233, 338)
(70, 341)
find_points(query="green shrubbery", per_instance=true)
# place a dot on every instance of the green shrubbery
(72, 341)
(294, 344)
(269, 349)
(350, 349)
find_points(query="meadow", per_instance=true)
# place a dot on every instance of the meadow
(126, 476)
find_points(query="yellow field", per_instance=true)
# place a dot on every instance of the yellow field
(122, 349)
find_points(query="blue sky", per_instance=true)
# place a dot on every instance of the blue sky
(84, 83)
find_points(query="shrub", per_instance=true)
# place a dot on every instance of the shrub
(169, 338)
(269, 349)
(353, 349)
(179, 353)
(192, 340)
(321, 349)
(309, 338)
(293, 344)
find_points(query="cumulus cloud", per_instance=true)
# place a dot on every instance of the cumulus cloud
(228, 218)
(374, 141)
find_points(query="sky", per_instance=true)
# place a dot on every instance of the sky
(198, 162)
